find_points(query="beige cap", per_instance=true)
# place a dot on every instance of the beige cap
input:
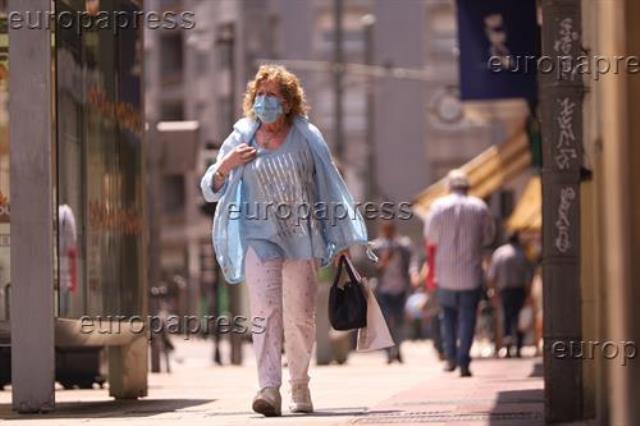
(457, 179)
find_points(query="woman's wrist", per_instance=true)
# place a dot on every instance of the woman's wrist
(219, 177)
(223, 169)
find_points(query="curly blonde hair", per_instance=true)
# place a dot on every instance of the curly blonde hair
(290, 88)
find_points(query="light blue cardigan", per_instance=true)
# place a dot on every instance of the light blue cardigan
(339, 232)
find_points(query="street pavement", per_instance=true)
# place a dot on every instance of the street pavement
(363, 391)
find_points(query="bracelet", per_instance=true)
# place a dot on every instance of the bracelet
(219, 175)
(218, 178)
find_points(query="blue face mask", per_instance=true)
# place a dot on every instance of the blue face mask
(267, 108)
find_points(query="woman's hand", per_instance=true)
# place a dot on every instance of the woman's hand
(242, 154)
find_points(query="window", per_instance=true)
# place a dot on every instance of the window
(99, 138)
(441, 31)
(225, 40)
(225, 116)
(271, 37)
(172, 56)
(174, 194)
(172, 111)
(352, 44)
(202, 63)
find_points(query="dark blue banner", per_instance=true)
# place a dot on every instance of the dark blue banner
(499, 47)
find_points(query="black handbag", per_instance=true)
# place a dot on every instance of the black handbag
(347, 303)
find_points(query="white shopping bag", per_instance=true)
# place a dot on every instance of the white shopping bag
(525, 319)
(375, 335)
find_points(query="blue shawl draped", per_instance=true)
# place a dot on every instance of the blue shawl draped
(341, 223)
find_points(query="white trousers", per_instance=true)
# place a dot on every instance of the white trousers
(283, 292)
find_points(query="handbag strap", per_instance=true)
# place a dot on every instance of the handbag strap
(345, 263)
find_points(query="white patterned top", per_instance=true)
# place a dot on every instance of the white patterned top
(280, 191)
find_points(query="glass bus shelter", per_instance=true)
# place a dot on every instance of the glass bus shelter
(72, 227)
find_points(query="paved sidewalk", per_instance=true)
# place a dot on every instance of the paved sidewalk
(364, 391)
(501, 392)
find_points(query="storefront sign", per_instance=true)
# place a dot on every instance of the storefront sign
(125, 114)
(105, 218)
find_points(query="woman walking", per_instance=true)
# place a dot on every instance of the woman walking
(283, 210)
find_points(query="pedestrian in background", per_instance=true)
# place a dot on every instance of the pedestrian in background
(394, 282)
(423, 276)
(510, 273)
(458, 227)
(270, 174)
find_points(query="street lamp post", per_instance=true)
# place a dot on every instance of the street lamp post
(368, 22)
(338, 70)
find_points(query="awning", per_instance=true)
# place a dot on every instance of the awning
(487, 172)
(527, 216)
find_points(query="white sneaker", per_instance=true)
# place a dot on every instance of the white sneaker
(300, 399)
(268, 402)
